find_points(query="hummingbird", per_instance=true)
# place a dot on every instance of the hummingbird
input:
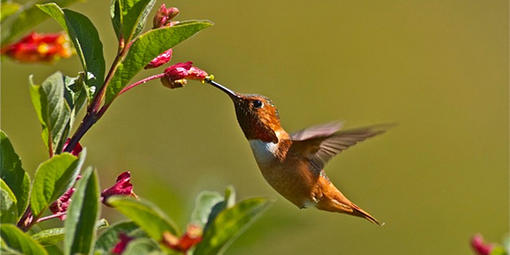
(293, 164)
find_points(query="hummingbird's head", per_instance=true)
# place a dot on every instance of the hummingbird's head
(256, 114)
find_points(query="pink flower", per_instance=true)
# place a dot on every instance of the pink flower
(176, 75)
(192, 237)
(162, 59)
(123, 186)
(76, 150)
(480, 247)
(121, 245)
(164, 16)
(62, 203)
(39, 48)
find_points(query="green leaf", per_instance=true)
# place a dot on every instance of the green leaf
(147, 215)
(228, 201)
(54, 235)
(52, 110)
(229, 224)
(140, 246)
(26, 17)
(498, 250)
(107, 240)
(8, 204)
(204, 204)
(8, 9)
(49, 236)
(85, 40)
(148, 46)
(15, 239)
(13, 174)
(52, 178)
(82, 215)
(129, 16)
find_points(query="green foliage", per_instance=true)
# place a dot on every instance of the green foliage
(52, 178)
(14, 239)
(8, 9)
(145, 48)
(57, 102)
(129, 16)
(141, 246)
(82, 215)
(107, 240)
(13, 174)
(229, 224)
(147, 215)
(54, 235)
(85, 39)
(52, 110)
(49, 236)
(204, 204)
(8, 204)
(26, 17)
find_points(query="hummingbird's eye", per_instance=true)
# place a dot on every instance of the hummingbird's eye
(257, 103)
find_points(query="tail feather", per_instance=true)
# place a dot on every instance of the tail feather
(361, 213)
(347, 207)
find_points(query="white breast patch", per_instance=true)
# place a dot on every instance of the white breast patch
(263, 151)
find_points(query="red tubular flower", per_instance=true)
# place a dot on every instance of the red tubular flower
(62, 203)
(176, 75)
(192, 237)
(123, 186)
(164, 16)
(122, 244)
(479, 246)
(39, 48)
(162, 59)
(76, 150)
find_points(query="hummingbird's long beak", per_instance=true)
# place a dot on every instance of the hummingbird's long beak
(229, 92)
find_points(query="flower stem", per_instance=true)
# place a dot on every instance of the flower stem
(157, 76)
(49, 217)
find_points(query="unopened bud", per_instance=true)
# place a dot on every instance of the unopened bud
(164, 16)
(162, 59)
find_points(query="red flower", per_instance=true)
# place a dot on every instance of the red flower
(164, 16)
(121, 245)
(76, 150)
(39, 48)
(162, 59)
(123, 186)
(176, 75)
(192, 237)
(62, 203)
(480, 247)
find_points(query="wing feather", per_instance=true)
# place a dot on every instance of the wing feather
(320, 143)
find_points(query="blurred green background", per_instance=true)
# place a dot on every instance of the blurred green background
(438, 68)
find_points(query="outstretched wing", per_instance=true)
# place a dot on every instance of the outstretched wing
(320, 143)
(317, 131)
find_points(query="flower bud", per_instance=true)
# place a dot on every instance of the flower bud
(122, 244)
(162, 59)
(76, 150)
(123, 186)
(62, 203)
(480, 247)
(164, 16)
